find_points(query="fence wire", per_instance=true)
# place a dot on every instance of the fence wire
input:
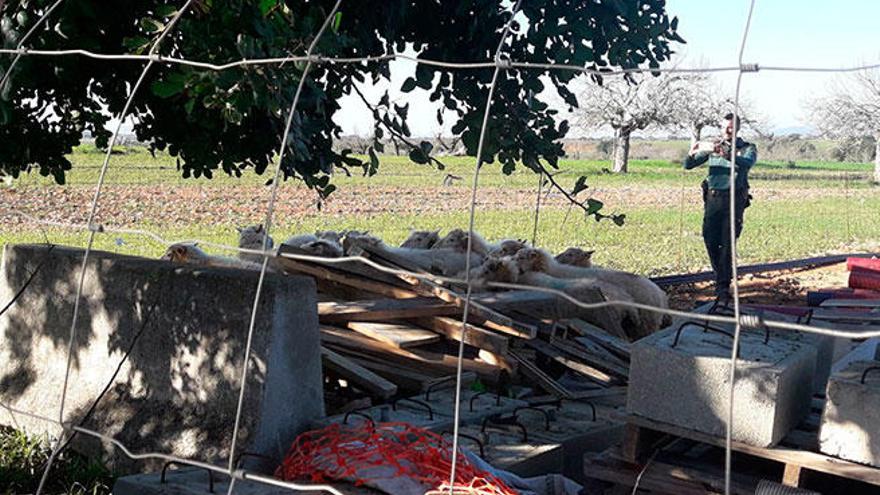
(498, 64)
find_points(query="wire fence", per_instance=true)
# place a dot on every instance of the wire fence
(76, 221)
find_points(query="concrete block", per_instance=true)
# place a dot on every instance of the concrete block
(688, 385)
(193, 481)
(850, 426)
(185, 329)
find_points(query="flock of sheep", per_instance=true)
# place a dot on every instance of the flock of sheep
(508, 261)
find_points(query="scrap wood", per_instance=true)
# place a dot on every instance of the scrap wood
(404, 377)
(324, 274)
(397, 335)
(493, 319)
(588, 371)
(610, 342)
(383, 309)
(446, 363)
(533, 372)
(353, 268)
(475, 336)
(593, 356)
(358, 375)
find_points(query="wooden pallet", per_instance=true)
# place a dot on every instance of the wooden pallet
(797, 452)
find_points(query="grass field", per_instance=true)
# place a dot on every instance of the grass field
(814, 208)
(810, 209)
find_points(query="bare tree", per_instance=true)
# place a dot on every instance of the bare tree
(700, 103)
(851, 109)
(626, 105)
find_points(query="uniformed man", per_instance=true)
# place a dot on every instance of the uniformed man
(716, 198)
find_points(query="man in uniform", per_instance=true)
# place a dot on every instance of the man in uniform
(716, 198)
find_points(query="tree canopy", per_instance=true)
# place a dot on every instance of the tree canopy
(232, 120)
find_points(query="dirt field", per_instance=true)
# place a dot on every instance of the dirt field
(787, 287)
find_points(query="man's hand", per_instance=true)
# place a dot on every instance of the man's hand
(694, 149)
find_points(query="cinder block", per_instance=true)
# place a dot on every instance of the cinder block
(851, 419)
(194, 481)
(186, 329)
(688, 385)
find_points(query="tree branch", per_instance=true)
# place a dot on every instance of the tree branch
(393, 131)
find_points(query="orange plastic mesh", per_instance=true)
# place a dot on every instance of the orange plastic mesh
(363, 453)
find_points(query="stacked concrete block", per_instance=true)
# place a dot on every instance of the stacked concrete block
(180, 335)
(688, 384)
(850, 427)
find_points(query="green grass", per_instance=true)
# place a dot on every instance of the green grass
(652, 242)
(135, 166)
(831, 209)
(22, 459)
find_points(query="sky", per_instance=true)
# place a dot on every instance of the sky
(783, 32)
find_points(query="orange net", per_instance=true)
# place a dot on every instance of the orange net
(394, 457)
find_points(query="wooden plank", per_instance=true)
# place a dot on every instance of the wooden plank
(482, 314)
(326, 274)
(532, 371)
(613, 343)
(475, 336)
(403, 377)
(792, 475)
(358, 375)
(588, 371)
(355, 268)
(383, 309)
(594, 356)
(439, 362)
(400, 336)
(851, 303)
(602, 467)
(805, 459)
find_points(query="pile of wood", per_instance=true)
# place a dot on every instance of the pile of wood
(389, 335)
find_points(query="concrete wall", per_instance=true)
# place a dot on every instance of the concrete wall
(186, 328)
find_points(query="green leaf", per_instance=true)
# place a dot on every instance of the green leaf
(426, 147)
(151, 25)
(170, 86)
(579, 185)
(593, 206)
(166, 11)
(337, 21)
(418, 156)
(408, 85)
(267, 5)
(374, 161)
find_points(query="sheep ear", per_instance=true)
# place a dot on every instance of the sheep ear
(180, 250)
(260, 228)
(239, 229)
(589, 254)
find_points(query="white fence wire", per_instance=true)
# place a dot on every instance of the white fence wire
(499, 64)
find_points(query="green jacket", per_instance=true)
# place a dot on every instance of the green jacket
(719, 166)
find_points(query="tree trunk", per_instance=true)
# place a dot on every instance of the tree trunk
(877, 159)
(696, 133)
(621, 151)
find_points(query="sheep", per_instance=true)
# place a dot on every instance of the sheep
(576, 257)
(458, 239)
(191, 254)
(251, 237)
(326, 248)
(421, 239)
(614, 319)
(446, 262)
(507, 247)
(494, 269)
(640, 289)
